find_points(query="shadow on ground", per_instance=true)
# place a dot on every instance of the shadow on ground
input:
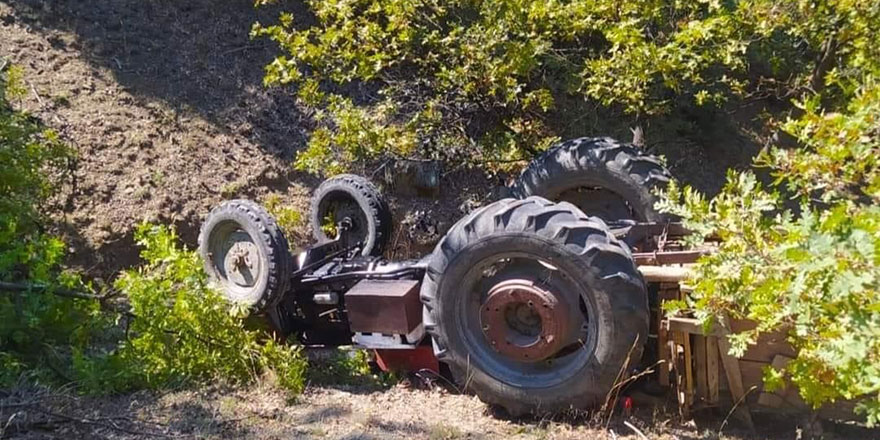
(194, 55)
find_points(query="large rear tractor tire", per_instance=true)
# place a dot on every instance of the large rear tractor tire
(534, 306)
(354, 201)
(603, 177)
(246, 254)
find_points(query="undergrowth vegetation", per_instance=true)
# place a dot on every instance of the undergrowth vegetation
(160, 325)
(35, 322)
(289, 219)
(180, 329)
(349, 367)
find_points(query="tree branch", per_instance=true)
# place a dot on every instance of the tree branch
(67, 293)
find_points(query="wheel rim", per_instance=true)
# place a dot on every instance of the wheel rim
(236, 260)
(339, 208)
(599, 202)
(524, 321)
(526, 345)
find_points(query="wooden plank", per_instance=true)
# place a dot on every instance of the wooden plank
(791, 402)
(700, 369)
(734, 381)
(663, 348)
(669, 290)
(665, 273)
(776, 398)
(753, 376)
(768, 346)
(677, 356)
(688, 369)
(712, 382)
(779, 363)
(665, 340)
(661, 258)
(752, 373)
(770, 400)
(692, 326)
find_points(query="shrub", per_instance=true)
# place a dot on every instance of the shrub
(179, 329)
(182, 330)
(29, 154)
(35, 324)
(289, 219)
(814, 271)
(476, 81)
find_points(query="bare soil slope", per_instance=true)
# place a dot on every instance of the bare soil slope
(164, 103)
(164, 106)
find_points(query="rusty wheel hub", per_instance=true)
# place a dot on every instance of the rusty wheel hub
(524, 321)
(242, 260)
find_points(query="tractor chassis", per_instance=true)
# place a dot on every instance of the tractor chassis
(338, 297)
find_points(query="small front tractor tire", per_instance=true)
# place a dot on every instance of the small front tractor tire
(246, 254)
(355, 199)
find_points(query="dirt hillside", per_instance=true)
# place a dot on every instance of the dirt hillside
(164, 103)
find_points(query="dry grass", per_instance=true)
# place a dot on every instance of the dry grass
(343, 412)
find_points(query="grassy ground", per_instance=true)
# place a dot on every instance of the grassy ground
(344, 400)
(364, 412)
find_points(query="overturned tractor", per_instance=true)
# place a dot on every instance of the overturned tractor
(536, 303)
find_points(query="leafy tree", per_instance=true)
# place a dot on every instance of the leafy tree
(814, 271)
(479, 80)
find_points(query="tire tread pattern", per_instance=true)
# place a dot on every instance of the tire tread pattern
(376, 207)
(586, 155)
(587, 237)
(271, 238)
